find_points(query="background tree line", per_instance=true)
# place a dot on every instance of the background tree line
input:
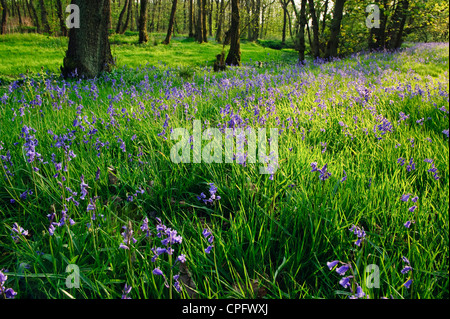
(317, 28)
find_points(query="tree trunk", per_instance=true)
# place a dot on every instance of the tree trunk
(256, 21)
(62, 22)
(205, 18)
(19, 14)
(4, 16)
(143, 36)
(89, 52)
(324, 20)
(398, 24)
(315, 27)
(191, 19)
(210, 14)
(301, 32)
(171, 22)
(34, 16)
(335, 29)
(119, 23)
(219, 35)
(199, 32)
(44, 19)
(234, 55)
(283, 34)
(127, 20)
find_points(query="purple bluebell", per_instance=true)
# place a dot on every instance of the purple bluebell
(408, 283)
(343, 269)
(331, 264)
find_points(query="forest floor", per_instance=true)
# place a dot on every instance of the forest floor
(354, 205)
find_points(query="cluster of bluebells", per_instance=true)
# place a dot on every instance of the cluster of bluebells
(17, 231)
(126, 291)
(7, 293)
(127, 235)
(360, 234)
(406, 269)
(62, 221)
(405, 198)
(323, 172)
(433, 170)
(168, 237)
(212, 195)
(347, 281)
(210, 238)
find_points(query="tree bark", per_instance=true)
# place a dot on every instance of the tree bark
(171, 22)
(62, 22)
(301, 32)
(335, 29)
(119, 22)
(398, 24)
(34, 15)
(315, 29)
(205, 18)
(89, 52)
(234, 55)
(44, 19)
(4, 16)
(129, 17)
(256, 21)
(143, 36)
(219, 33)
(199, 31)
(191, 19)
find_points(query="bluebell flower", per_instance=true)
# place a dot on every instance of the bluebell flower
(345, 282)
(343, 269)
(331, 264)
(408, 283)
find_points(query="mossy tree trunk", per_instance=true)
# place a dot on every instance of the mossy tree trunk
(234, 55)
(171, 22)
(89, 52)
(143, 36)
(4, 16)
(333, 42)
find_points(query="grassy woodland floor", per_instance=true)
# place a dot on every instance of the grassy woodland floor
(363, 176)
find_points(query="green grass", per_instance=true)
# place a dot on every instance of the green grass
(34, 52)
(272, 237)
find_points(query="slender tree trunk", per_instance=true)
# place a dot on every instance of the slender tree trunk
(301, 32)
(234, 55)
(171, 22)
(333, 42)
(4, 16)
(129, 16)
(89, 52)
(400, 15)
(119, 22)
(256, 21)
(283, 34)
(191, 19)
(219, 33)
(205, 18)
(324, 20)
(62, 22)
(44, 19)
(199, 31)
(19, 14)
(143, 36)
(210, 14)
(315, 27)
(34, 15)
